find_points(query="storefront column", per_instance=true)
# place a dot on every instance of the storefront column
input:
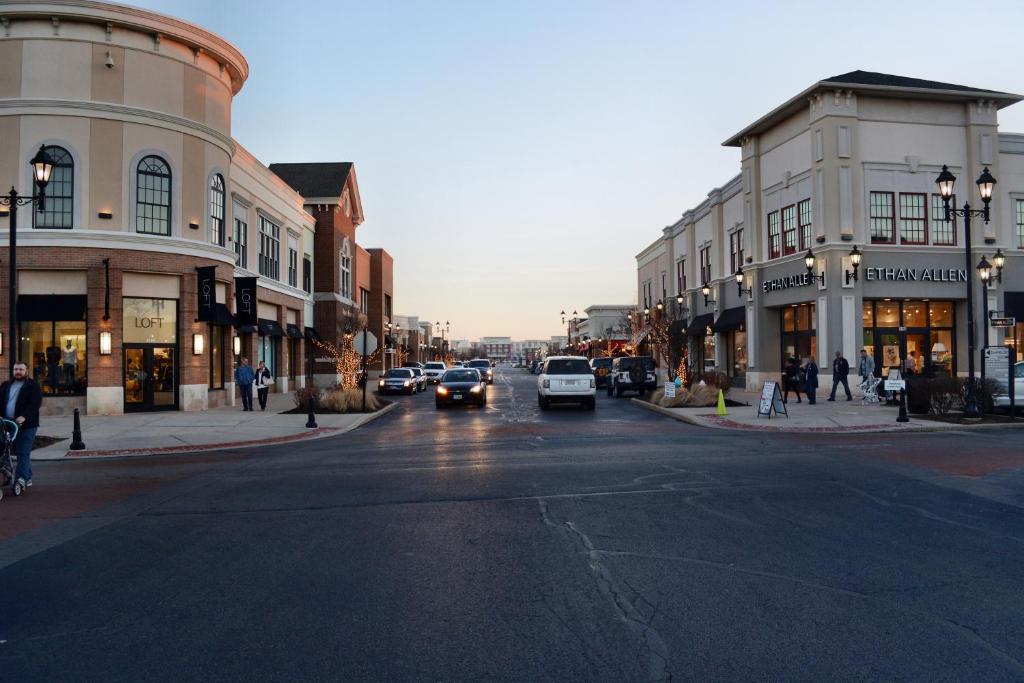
(104, 394)
(194, 388)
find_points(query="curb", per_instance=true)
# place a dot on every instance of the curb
(310, 435)
(866, 429)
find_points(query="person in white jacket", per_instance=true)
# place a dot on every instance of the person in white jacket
(262, 383)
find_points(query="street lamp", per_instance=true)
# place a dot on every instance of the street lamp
(998, 260)
(985, 274)
(42, 168)
(855, 257)
(985, 183)
(741, 280)
(809, 261)
(705, 289)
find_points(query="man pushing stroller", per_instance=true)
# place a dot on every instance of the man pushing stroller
(20, 399)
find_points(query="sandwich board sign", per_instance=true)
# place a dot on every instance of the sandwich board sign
(670, 389)
(771, 399)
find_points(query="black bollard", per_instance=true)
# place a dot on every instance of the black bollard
(903, 406)
(311, 422)
(76, 434)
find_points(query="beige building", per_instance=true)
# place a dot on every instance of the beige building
(148, 185)
(850, 162)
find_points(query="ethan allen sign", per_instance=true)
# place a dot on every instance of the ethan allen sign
(787, 282)
(915, 274)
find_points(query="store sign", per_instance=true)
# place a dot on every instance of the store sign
(150, 321)
(206, 294)
(788, 282)
(245, 300)
(1002, 322)
(915, 274)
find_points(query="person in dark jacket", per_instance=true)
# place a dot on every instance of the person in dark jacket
(20, 399)
(840, 369)
(791, 380)
(262, 383)
(811, 379)
(244, 377)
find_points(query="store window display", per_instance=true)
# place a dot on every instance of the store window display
(55, 353)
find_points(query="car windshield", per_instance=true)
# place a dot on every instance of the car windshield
(435, 366)
(479, 364)
(602, 362)
(568, 366)
(416, 371)
(461, 376)
(399, 372)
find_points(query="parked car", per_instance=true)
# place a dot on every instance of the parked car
(602, 368)
(421, 378)
(484, 366)
(461, 385)
(632, 373)
(397, 379)
(1003, 400)
(566, 379)
(433, 370)
(412, 364)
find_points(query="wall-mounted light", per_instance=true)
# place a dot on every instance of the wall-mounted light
(741, 281)
(855, 257)
(104, 343)
(236, 345)
(193, 225)
(1, 343)
(809, 261)
(105, 215)
(198, 344)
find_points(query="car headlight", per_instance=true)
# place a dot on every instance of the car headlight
(407, 382)
(546, 383)
(380, 383)
(442, 391)
(475, 390)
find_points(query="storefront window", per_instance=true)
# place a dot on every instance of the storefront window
(266, 351)
(940, 314)
(868, 314)
(914, 314)
(941, 349)
(887, 314)
(739, 350)
(54, 351)
(216, 357)
(789, 319)
(914, 335)
(799, 338)
(150, 321)
(709, 353)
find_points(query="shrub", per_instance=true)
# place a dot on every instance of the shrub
(349, 400)
(697, 396)
(717, 380)
(303, 395)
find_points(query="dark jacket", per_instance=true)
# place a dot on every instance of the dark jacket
(840, 367)
(27, 404)
(811, 374)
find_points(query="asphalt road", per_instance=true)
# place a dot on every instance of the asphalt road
(511, 544)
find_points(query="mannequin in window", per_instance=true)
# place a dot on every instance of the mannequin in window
(69, 357)
(52, 367)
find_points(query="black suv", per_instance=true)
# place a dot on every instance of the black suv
(632, 373)
(601, 367)
(484, 366)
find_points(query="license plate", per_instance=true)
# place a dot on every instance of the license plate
(569, 382)
(456, 397)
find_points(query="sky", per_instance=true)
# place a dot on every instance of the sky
(515, 157)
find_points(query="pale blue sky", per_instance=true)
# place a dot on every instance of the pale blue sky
(514, 158)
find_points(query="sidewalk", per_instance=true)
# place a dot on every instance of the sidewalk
(825, 416)
(179, 432)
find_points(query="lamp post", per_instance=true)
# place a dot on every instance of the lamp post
(986, 183)
(568, 322)
(985, 274)
(42, 167)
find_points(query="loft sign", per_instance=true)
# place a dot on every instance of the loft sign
(147, 323)
(787, 282)
(915, 274)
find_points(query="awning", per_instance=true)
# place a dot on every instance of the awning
(293, 331)
(222, 316)
(731, 319)
(311, 334)
(699, 325)
(1013, 305)
(246, 329)
(269, 328)
(52, 306)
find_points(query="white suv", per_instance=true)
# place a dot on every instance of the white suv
(566, 379)
(433, 371)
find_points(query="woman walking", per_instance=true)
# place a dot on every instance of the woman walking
(262, 383)
(791, 380)
(810, 379)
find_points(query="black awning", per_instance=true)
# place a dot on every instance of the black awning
(311, 334)
(52, 306)
(246, 329)
(222, 316)
(699, 325)
(1013, 305)
(269, 328)
(293, 331)
(731, 319)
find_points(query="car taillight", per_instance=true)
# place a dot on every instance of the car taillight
(547, 383)
(591, 384)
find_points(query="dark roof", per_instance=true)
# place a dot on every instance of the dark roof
(871, 78)
(320, 179)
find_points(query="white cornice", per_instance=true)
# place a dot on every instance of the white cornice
(140, 20)
(117, 112)
(81, 238)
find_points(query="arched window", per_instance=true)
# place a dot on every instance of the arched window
(346, 270)
(60, 193)
(217, 209)
(153, 196)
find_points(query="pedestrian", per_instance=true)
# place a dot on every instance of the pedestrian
(912, 364)
(791, 380)
(810, 379)
(840, 369)
(20, 398)
(244, 377)
(867, 366)
(262, 383)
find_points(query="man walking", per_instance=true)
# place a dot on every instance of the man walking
(811, 380)
(20, 398)
(244, 377)
(840, 369)
(866, 367)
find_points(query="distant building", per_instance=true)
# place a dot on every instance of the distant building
(497, 348)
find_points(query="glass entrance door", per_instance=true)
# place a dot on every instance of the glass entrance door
(150, 378)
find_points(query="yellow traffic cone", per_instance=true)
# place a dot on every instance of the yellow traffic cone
(721, 404)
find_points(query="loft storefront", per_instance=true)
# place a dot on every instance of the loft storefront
(150, 354)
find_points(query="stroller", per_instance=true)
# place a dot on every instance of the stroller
(7, 437)
(870, 388)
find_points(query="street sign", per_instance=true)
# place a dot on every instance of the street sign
(895, 384)
(371, 343)
(1002, 322)
(997, 366)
